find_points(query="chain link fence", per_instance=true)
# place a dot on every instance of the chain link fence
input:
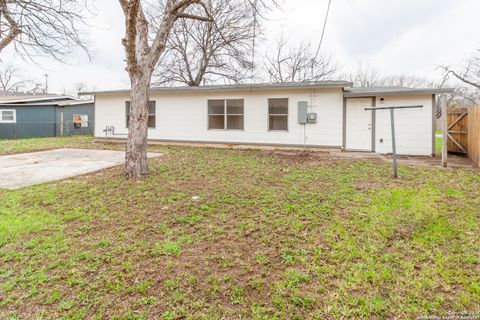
(45, 129)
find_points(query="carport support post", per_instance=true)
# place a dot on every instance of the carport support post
(443, 101)
(394, 146)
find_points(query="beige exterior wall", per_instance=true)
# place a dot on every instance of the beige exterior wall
(413, 127)
(183, 117)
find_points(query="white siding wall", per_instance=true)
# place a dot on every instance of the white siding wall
(413, 127)
(183, 117)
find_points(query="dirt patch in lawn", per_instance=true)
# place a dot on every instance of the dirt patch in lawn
(255, 234)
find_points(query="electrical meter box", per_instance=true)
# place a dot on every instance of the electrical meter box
(312, 117)
(302, 112)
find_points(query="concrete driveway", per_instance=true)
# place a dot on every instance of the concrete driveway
(20, 170)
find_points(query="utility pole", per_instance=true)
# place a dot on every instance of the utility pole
(46, 83)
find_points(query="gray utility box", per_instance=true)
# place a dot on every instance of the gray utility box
(303, 116)
(302, 112)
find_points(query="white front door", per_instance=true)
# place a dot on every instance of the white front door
(359, 124)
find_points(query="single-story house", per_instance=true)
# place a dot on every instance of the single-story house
(45, 116)
(312, 114)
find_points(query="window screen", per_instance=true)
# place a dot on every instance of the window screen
(216, 114)
(7, 116)
(225, 114)
(278, 114)
(151, 113)
(235, 114)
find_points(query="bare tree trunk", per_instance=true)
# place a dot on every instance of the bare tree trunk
(142, 56)
(136, 152)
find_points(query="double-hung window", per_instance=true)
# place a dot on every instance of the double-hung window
(8, 116)
(278, 114)
(151, 113)
(225, 114)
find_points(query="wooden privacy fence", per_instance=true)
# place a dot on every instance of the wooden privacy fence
(457, 131)
(473, 124)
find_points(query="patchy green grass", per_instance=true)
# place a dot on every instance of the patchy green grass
(438, 145)
(273, 235)
(34, 144)
(39, 144)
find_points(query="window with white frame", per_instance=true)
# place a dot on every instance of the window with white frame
(151, 113)
(278, 114)
(225, 114)
(8, 116)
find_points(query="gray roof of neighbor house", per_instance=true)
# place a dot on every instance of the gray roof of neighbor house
(391, 91)
(240, 87)
(59, 103)
(20, 99)
(21, 95)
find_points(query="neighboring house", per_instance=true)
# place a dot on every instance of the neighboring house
(44, 116)
(317, 114)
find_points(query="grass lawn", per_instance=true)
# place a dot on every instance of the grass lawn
(273, 235)
(438, 142)
(438, 145)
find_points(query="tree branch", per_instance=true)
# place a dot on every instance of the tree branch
(462, 78)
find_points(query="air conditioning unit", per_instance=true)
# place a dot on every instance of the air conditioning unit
(312, 117)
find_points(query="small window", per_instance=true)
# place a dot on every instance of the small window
(225, 114)
(235, 114)
(278, 114)
(151, 113)
(8, 116)
(216, 114)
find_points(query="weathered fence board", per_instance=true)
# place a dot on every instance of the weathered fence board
(458, 131)
(474, 134)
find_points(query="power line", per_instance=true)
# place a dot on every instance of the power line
(314, 58)
(323, 30)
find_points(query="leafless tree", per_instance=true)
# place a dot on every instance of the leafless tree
(200, 52)
(366, 76)
(11, 80)
(83, 87)
(144, 43)
(463, 96)
(49, 27)
(289, 63)
(409, 81)
(469, 74)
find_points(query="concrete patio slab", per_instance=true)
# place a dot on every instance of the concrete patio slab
(25, 169)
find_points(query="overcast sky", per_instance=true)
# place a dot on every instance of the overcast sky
(391, 36)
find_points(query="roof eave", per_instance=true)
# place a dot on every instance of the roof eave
(339, 85)
(44, 99)
(366, 94)
(45, 104)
